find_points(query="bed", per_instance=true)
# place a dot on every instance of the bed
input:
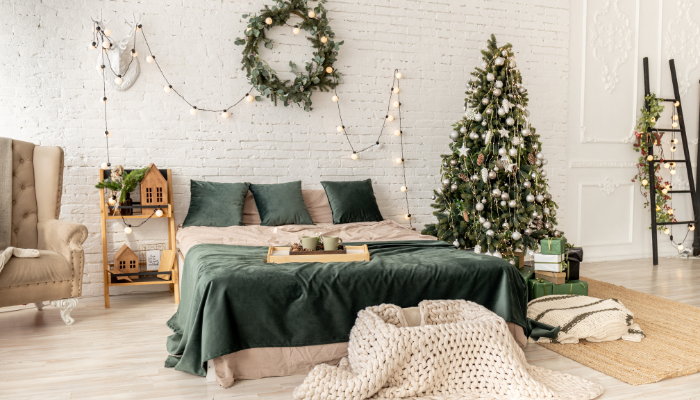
(241, 318)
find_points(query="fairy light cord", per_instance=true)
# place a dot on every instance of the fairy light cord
(139, 225)
(395, 90)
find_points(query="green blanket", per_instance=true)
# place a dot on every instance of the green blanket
(233, 300)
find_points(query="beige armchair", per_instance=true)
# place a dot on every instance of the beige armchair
(56, 276)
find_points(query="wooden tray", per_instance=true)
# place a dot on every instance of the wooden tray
(316, 252)
(280, 255)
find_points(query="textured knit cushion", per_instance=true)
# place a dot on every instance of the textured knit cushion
(352, 201)
(215, 204)
(280, 204)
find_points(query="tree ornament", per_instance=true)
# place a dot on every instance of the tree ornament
(496, 192)
(446, 182)
(505, 196)
(512, 204)
(463, 129)
(482, 220)
(484, 174)
(487, 225)
(492, 175)
(485, 101)
(489, 111)
(487, 136)
(470, 114)
(433, 197)
(531, 158)
(505, 225)
(513, 152)
(463, 177)
(538, 163)
(504, 132)
(453, 162)
(501, 111)
(548, 225)
(510, 121)
(483, 64)
(498, 84)
(539, 154)
(544, 161)
(454, 135)
(464, 150)
(478, 117)
(473, 135)
(502, 151)
(489, 233)
(527, 231)
(490, 77)
(516, 235)
(530, 198)
(539, 198)
(547, 196)
(479, 207)
(521, 90)
(454, 187)
(543, 174)
(525, 132)
(497, 253)
(496, 92)
(480, 160)
(557, 233)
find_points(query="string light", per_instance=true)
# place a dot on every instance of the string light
(107, 32)
(650, 157)
(354, 156)
(104, 99)
(296, 29)
(664, 191)
(340, 128)
(396, 90)
(167, 88)
(667, 231)
(404, 188)
(397, 132)
(150, 59)
(389, 117)
(128, 230)
(673, 171)
(93, 45)
(334, 98)
(108, 134)
(407, 217)
(674, 141)
(268, 21)
(644, 182)
(225, 114)
(329, 70)
(666, 165)
(100, 67)
(670, 211)
(398, 75)
(312, 14)
(324, 39)
(159, 213)
(134, 53)
(678, 103)
(397, 104)
(249, 98)
(118, 80)
(399, 160)
(112, 200)
(193, 110)
(680, 247)
(106, 44)
(673, 148)
(691, 227)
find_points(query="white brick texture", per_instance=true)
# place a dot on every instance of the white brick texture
(50, 95)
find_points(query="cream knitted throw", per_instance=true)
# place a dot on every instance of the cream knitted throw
(461, 351)
(583, 317)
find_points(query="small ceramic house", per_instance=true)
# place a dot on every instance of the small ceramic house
(154, 191)
(126, 262)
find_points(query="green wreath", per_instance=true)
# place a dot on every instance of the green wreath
(319, 74)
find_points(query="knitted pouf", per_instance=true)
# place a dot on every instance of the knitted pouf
(461, 351)
(583, 317)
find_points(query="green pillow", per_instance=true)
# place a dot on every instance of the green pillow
(216, 204)
(280, 204)
(352, 201)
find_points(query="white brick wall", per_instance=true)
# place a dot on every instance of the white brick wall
(50, 92)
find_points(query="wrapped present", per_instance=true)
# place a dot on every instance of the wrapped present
(527, 273)
(556, 278)
(540, 287)
(574, 258)
(519, 258)
(553, 246)
(549, 262)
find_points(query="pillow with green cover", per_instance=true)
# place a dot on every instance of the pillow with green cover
(216, 204)
(280, 204)
(352, 201)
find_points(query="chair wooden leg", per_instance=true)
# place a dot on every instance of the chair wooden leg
(66, 306)
(39, 305)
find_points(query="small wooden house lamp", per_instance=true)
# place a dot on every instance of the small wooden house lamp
(154, 191)
(126, 262)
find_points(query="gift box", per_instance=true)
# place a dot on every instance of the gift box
(527, 273)
(549, 262)
(574, 258)
(556, 278)
(519, 258)
(540, 287)
(553, 246)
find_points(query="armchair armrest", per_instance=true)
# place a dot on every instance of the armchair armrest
(65, 238)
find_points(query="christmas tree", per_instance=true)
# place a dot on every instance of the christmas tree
(494, 188)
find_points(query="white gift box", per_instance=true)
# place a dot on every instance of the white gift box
(548, 262)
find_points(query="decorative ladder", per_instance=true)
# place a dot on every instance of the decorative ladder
(685, 160)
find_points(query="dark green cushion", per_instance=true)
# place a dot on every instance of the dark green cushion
(352, 201)
(280, 204)
(216, 204)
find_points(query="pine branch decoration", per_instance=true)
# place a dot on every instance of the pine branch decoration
(480, 160)
(531, 158)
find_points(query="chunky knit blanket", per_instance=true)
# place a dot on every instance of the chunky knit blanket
(461, 350)
(583, 317)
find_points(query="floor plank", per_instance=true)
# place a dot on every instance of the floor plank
(118, 353)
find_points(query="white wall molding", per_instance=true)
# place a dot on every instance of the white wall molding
(608, 187)
(683, 44)
(601, 164)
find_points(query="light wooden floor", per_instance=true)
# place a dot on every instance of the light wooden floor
(118, 353)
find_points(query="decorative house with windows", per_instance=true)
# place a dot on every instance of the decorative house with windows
(126, 262)
(154, 191)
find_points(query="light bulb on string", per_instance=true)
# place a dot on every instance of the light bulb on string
(644, 182)
(334, 98)
(354, 156)
(268, 21)
(673, 171)
(650, 157)
(93, 45)
(673, 148)
(118, 80)
(324, 39)
(678, 103)
(397, 132)
(397, 104)
(691, 227)
(329, 70)
(225, 114)
(674, 124)
(128, 230)
(100, 67)
(138, 27)
(104, 99)
(107, 32)
(680, 247)
(399, 160)
(398, 75)
(674, 141)
(407, 217)
(666, 165)
(667, 231)
(193, 110)
(111, 201)
(296, 29)
(389, 117)
(104, 165)
(159, 213)
(108, 134)
(670, 211)
(664, 191)
(167, 88)
(404, 188)
(675, 117)
(150, 59)
(340, 128)
(106, 44)
(134, 53)
(396, 89)
(312, 14)
(249, 98)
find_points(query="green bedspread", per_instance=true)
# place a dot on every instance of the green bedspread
(233, 300)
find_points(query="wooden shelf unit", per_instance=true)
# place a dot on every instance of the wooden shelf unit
(145, 278)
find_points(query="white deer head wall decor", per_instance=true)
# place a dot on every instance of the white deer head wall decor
(121, 64)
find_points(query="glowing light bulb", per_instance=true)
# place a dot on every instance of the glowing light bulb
(407, 217)
(268, 21)
(249, 98)
(295, 30)
(159, 213)
(134, 53)
(667, 231)
(673, 148)
(644, 182)
(167, 88)
(678, 103)
(339, 128)
(658, 208)
(107, 32)
(399, 160)
(104, 165)
(397, 104)
(108, 134)
(111, 201)
(100, 67)
(674, 124)
(398, 75)
(312, 14)
(93, 45)
(664, 191)
(397, 133)
(403, 188)
(329, 70)
(324, 39)
(389, 117)
(149, 59)
(680, 247)
(650, 157)
(674, 141)
(138, 27)
(354, 156)
(334, 98)
(104, 99)
(106, 44)
(675, 117)
(670, 211)
(673, 172)
(128, 230)
(225, 114)
(396, 90)
(193, 110)
(118, 80)
(691, 227)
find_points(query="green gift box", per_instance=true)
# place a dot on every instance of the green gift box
(554, 246)
(527, 273)
(540, 287)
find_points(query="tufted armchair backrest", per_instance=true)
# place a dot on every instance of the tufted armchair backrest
(37, 184)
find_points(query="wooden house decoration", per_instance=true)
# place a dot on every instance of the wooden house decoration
(126, 262)
(154, 191)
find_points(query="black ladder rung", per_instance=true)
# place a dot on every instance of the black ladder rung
(672, 100)
(665, 161)
(679, 191)
(676, 223)
(668, 130)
